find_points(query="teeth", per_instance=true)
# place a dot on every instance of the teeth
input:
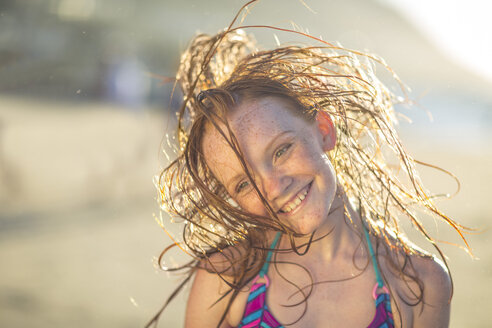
(293, 204)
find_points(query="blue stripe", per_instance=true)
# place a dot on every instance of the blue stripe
(257, 292)
(264, 268)
(373, 257)
(380, 299)
(264, 325)
(253, 316)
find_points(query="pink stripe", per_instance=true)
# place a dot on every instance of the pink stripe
(255, 287)
(380, 316)
(269, 319)
(255, 304)
(253, 323)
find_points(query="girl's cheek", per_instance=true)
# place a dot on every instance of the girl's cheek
(253, 204)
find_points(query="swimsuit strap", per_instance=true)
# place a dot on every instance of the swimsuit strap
(379, 279)
(264, 268)
(373, 257)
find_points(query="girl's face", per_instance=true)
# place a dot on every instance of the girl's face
(286, 157)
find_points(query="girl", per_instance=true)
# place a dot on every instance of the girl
(291, 181)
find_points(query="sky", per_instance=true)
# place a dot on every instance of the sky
(460, 29)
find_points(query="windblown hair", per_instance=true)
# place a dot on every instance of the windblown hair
(372, 167)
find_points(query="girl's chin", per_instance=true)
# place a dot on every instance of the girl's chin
(315, 223)
(306, 228)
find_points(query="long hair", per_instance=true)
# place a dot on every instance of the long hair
(372, 167)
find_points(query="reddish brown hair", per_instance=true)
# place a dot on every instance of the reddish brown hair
(218, 72)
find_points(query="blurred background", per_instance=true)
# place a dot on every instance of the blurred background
(83, 119)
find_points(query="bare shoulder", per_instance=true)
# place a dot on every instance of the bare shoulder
(430, 271)
(434, 309)
(435, 277)
(227, 261)
(207, 300)
(424, 290)
(210, 293)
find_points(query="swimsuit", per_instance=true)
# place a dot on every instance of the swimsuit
(257, 315)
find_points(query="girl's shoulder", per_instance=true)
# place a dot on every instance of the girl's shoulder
(435, 278)
(414, 262)
(228, 262)
(421, 279)
(213, 286)
(204, 308)
(437, 290)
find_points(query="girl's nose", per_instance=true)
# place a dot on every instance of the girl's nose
(274, 185)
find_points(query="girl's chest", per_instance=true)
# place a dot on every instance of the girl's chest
(324, 304)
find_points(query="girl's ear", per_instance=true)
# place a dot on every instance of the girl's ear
(327, 129)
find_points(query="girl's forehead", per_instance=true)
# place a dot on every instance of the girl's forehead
(254, 123)
(263, 115)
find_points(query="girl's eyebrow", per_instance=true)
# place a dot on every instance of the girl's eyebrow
(267, 151)
(274, 139)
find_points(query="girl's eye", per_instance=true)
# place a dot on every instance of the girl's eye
(241, 186)
(282, 150)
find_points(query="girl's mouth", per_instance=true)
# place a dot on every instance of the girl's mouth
(297, 201)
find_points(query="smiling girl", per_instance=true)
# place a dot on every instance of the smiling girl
(291, 181)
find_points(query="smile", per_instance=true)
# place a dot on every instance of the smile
(296, 202)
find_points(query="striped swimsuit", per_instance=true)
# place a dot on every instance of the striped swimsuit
(256, 313)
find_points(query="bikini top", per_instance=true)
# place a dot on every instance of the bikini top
(256, 313)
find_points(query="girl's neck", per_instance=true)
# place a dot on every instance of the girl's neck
(338, 239)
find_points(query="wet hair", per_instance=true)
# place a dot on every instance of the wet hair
(377, 175)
